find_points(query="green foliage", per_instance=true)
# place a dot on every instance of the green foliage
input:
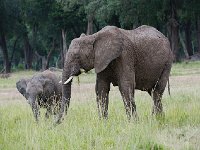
(20, 67)
(9, 13)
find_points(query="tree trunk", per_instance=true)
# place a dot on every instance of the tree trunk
(38, 60)
(3, 46)
(44, 62)
(64, 47)
(90, 25)
(49, 54)
(14, 49)
(28, 54)
(114, 20)
(184, 46)
(35, 28)
(198, 33)
(173, 31)
(188, 37)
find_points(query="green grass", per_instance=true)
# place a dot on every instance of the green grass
(14, 77)
(82, 129)
(186, 68)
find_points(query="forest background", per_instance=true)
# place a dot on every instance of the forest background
(35, 34)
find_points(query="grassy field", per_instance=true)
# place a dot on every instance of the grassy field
(82, 129)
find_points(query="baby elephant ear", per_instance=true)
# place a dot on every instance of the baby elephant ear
(107, 48)
(21, 86)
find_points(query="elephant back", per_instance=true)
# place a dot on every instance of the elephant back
(55, 80)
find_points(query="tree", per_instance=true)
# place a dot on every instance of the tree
(91, 7)
(39, 31)
(70, 19)
(9, 12)
(198, 33)
(174, 29)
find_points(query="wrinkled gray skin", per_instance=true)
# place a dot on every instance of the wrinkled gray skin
(42, 90)
(21, 86)
(130, 59)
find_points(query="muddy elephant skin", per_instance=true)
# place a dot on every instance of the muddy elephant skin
(130, 59)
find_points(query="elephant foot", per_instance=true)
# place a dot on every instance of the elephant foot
(135, 116)
(159, 114)
(47, 116)
(57, 122)
(59, 119)
(104, 117)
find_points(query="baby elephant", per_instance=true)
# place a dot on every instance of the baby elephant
(42, 90)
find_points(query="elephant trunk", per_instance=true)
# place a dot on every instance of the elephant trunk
(71, 68)
(66, 96)
(35, 107)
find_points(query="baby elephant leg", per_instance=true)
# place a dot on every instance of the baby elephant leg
(48, 112)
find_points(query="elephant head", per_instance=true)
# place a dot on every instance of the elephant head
(88, 52)
(21, 86)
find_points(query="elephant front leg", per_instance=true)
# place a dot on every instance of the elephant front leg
(127, 92)
(48, 112)
(102, 92)
(35, 108)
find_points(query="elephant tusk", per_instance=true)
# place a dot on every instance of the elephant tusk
(60, 82)
(68, 80)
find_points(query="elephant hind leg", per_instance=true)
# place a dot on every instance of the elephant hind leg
(156, 96)
(157, 106)
(158, 91)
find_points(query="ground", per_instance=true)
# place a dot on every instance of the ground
(82, 129)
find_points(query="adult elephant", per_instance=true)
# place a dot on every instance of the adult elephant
(131, 59)
(42, 90)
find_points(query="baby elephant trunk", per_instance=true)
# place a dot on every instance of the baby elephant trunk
(35, 107)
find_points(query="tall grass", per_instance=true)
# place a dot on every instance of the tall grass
(82, 128)
(11, 81)
(186, 68)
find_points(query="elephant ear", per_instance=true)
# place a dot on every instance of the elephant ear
(21, 86)
(108, 47)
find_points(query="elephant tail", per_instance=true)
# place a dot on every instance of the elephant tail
(169, 88)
